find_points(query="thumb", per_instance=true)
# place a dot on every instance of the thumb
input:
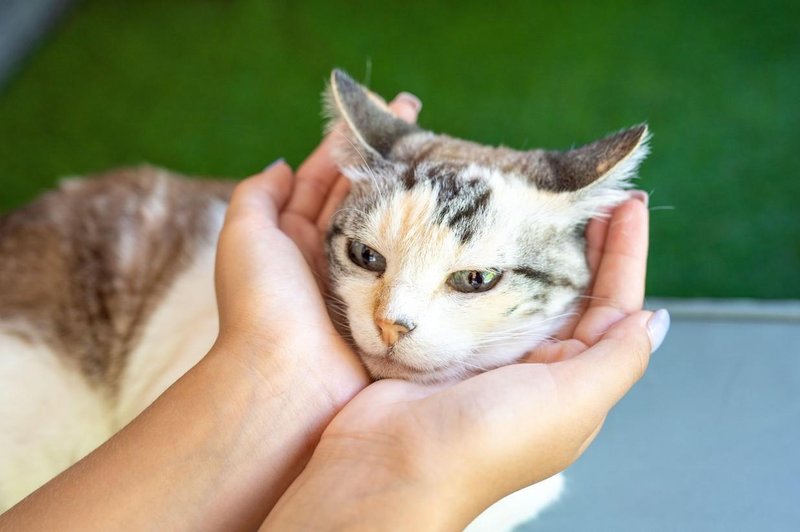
(602, 374)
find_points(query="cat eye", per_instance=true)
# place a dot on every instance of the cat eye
(472, 281)
(366, 257)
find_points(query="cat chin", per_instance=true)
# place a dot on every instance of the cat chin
(379, 367)
(382, 367)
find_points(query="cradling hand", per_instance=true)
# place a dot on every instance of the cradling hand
(443, 453)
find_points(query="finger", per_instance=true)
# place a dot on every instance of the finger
(621, 272)
(318, 174)
(263, 195)
(406, 106)
(619, 284)
(335, 198)
(596, 232)
(601, 375)
(314, 178)
(307, 239)
(556, 352)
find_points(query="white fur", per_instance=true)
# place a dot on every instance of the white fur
(519, 507)
(49, 416)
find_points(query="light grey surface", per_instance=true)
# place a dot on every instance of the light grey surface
(754, 310)
(708, 440)
(22, 24)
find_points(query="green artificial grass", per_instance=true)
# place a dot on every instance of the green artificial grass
(213, 87)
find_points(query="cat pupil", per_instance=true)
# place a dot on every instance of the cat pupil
(475, 279)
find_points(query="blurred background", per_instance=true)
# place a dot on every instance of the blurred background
(223, 87)
(707, 441)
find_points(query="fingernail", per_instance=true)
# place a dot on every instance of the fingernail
(657, 327)
(273, 164)
(410, 99)
(640, 195)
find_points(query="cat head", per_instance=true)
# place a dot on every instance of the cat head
(449, 257)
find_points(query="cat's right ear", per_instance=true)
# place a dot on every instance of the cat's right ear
(596, 175)
(369, 127)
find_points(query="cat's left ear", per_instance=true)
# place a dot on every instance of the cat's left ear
(596, 175)
(371, 128)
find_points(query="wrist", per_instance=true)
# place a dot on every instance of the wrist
(276, 410)
(321, 373)
(364, 485)
(337, 494)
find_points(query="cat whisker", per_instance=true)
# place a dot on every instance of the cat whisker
(349, 209)
(528, 344)
(515, 341)
(516, 337)
(476, 367)
(559, 316)
(601, 299)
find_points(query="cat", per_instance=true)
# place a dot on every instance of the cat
(447, 258)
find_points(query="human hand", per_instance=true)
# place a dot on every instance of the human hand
(270, 265)
(459, 448)
(276, 343)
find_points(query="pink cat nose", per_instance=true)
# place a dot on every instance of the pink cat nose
(392, 330)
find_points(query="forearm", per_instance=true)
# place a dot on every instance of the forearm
(214, 452)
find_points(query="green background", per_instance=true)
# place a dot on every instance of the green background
(225, 87)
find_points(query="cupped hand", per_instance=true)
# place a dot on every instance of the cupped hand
(270, 267)
(513, 426)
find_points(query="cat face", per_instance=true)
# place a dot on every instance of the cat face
(449, 258)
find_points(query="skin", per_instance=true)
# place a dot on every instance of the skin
(233, 438)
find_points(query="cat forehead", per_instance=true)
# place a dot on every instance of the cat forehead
(442, 151)
(468, 213)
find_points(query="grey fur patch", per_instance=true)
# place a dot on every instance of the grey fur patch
(61, 269)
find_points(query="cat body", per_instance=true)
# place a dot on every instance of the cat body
(106, 298)
(447, 258)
